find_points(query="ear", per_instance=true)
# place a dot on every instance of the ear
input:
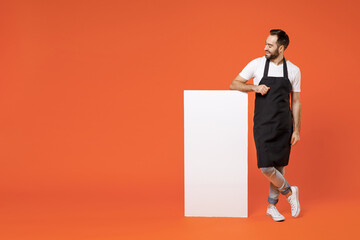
(281, 48)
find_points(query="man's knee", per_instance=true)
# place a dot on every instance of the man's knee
(268, 171)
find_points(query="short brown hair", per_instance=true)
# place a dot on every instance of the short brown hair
(283, 38)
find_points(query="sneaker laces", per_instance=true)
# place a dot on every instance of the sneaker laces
(274, 211)
(292, 202)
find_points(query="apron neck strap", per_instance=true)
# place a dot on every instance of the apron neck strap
(285, 68)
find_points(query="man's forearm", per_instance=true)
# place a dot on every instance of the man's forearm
(244, 87)
(296, 111)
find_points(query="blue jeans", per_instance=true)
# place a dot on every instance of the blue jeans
(278, 183)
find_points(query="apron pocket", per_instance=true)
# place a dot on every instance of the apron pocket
(278, 149)
(280, 138)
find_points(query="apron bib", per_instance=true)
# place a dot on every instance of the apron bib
(273, 120)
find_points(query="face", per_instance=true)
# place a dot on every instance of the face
(271, 48)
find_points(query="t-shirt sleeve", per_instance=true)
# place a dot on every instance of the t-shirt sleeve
(249, 70)
(296, 84)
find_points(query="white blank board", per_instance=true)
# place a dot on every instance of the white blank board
(215, 152)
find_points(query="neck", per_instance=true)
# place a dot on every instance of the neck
(278, 60)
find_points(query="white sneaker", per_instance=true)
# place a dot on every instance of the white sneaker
(293, 199)
(274, 213)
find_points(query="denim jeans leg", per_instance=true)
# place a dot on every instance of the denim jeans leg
(284, 190)
(273, 194)
(273, 190)
(277, 179)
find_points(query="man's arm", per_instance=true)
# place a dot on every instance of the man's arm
(239, 83)
(296, 111)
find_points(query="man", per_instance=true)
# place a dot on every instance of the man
(276, 126)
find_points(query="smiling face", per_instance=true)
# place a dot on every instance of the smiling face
(271, 47)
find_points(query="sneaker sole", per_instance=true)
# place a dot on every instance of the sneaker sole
(298, 203)
(276, 220)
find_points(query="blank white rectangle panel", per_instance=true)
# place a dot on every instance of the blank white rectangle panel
(215, 153)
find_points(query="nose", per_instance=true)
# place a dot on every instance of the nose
(266, 47)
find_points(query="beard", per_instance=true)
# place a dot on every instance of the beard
(273, 55)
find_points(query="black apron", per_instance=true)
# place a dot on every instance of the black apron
(273, 120)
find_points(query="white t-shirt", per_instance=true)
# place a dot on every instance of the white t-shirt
(255, 69)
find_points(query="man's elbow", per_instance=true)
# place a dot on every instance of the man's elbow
(234, 85)
(296, 103)
(231, 86)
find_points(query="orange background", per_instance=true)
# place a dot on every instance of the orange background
(91, 124)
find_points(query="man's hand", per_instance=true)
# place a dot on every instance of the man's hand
(263, 89)
(295, 138)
